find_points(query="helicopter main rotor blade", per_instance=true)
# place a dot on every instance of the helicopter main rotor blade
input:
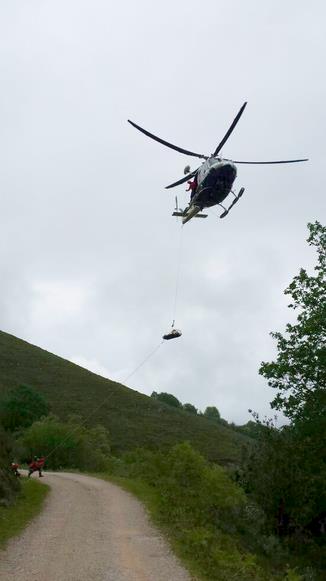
(182, 181)
(180, 149)
(268, 162)
(229, 131)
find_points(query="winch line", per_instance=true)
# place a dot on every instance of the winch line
(144, 361)
(177, 281)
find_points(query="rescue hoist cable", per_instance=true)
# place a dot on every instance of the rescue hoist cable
(177, 279)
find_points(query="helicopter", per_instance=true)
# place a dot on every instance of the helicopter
(213, 181)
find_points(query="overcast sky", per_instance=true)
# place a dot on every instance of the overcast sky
(89, 250)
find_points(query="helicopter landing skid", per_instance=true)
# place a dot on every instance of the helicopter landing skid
(236, 199)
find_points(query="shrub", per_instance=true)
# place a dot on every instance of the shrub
(21, 406)
(191, 409)
(9, 485)
(197, 502)
(167, 398)
(68, 444)
(195, 492)
(212, 413)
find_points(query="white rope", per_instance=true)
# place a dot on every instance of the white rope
(178, 269)
(177, 281)
(143, 362)
(105, 399)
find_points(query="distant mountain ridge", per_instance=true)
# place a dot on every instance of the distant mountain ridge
(133, 419)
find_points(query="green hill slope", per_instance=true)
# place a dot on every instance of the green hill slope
(134, 419)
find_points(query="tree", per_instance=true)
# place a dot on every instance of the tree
(167, 398)
(299, 372)
(21, 407)
(9, 485)
(251, 429)
(188, 407)
(290, 463)
(212, 413)
(68, 444)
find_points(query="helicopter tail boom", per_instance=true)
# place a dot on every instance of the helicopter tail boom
(191, 213)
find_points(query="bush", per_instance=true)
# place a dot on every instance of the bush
(220, 557)
(191, 409)
(195, 492)
(67, 444)
(9, 484)
(212, 413)
(200, 505)
(167, 398)
(21, 406)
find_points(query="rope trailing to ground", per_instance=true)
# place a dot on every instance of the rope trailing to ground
(96, 409)
(142, 363)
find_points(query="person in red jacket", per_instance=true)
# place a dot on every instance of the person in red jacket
(192, 187)
(36, 465)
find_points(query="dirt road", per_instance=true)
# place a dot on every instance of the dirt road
(89, 530)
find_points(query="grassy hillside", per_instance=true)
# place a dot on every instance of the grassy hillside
(134, 419)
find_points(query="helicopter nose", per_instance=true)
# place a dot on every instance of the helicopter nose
(229, 172)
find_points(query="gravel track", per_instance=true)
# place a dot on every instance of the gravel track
(89, 530)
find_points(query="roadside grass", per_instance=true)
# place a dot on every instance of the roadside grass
(210, 523)
(29, 502)
(195, 505)
(235, 564)
(151, 500)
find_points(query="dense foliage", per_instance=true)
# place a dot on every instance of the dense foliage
(196, 501)
(212, 413)
(299, 372)
(9, 485)
(21, 406)
(167, 398)
(212, 523)
(28, 503)
(191, 409)
(67, 444)
(286, 474)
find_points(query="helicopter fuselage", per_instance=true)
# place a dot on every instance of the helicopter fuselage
(215, 179)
